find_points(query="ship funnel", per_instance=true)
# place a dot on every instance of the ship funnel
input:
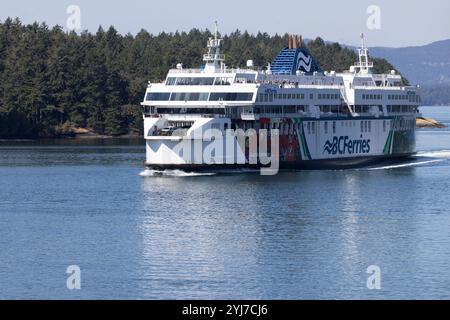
(295, 42)
(300, 41)
(290, 41)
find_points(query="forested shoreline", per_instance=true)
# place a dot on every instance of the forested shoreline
(52, 82)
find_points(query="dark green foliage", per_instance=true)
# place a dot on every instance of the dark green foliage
(52, 81)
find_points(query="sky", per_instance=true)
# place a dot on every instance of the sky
(389, 23)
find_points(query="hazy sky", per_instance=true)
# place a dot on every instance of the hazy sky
(403, 23)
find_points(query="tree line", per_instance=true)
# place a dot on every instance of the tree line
(52, 81)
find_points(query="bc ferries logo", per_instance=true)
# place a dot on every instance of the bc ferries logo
(304, 62)
(344, 145)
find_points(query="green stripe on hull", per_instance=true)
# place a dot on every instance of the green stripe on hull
(388, 146)
(304, 144)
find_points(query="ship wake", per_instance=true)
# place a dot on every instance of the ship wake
(421, 159)
(181, 173)
(441, 154)
(173, 173)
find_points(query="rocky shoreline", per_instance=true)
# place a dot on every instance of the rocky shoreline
(423, 122)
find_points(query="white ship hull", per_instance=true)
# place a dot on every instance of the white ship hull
(303, 144)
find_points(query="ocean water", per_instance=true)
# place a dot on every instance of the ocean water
(298, 235)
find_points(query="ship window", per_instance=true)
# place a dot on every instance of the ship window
(325, 126)
(370, 126)
(309, 127)
(289, 109)
(189, 96)
(231, 96)
(261, 97)
(185, 81)
(311, 96)
(313, 128)
(171, 81)
(223, 81)
(158, 96)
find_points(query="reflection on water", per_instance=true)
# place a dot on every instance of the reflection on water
(298, 235)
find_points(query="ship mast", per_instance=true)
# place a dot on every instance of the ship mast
(363, 64)
(214, 59)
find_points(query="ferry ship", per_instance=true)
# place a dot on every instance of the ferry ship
(322, 120)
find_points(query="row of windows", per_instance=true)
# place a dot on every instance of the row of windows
(279, 109)
(217, 111)
(158, 96)
(311, 127)
(230, 96)
(333, 109)
(365, 125)
(398, 109)
(189, 96)
(199, 96)
(409, 97)
(270, 97)
(372, 97)
(397, 97)
(329, 96)
(199, 81)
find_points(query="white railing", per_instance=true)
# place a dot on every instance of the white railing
(213, 57)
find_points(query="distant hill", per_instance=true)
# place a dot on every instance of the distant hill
(424, 65)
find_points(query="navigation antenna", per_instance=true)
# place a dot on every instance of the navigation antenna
(364, 64)
(216, 29)
(214, 59)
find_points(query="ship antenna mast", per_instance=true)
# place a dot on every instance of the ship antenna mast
(216, 30)
(213, 59)
(364, 64)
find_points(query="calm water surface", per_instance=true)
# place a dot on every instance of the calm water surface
(298, 235)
